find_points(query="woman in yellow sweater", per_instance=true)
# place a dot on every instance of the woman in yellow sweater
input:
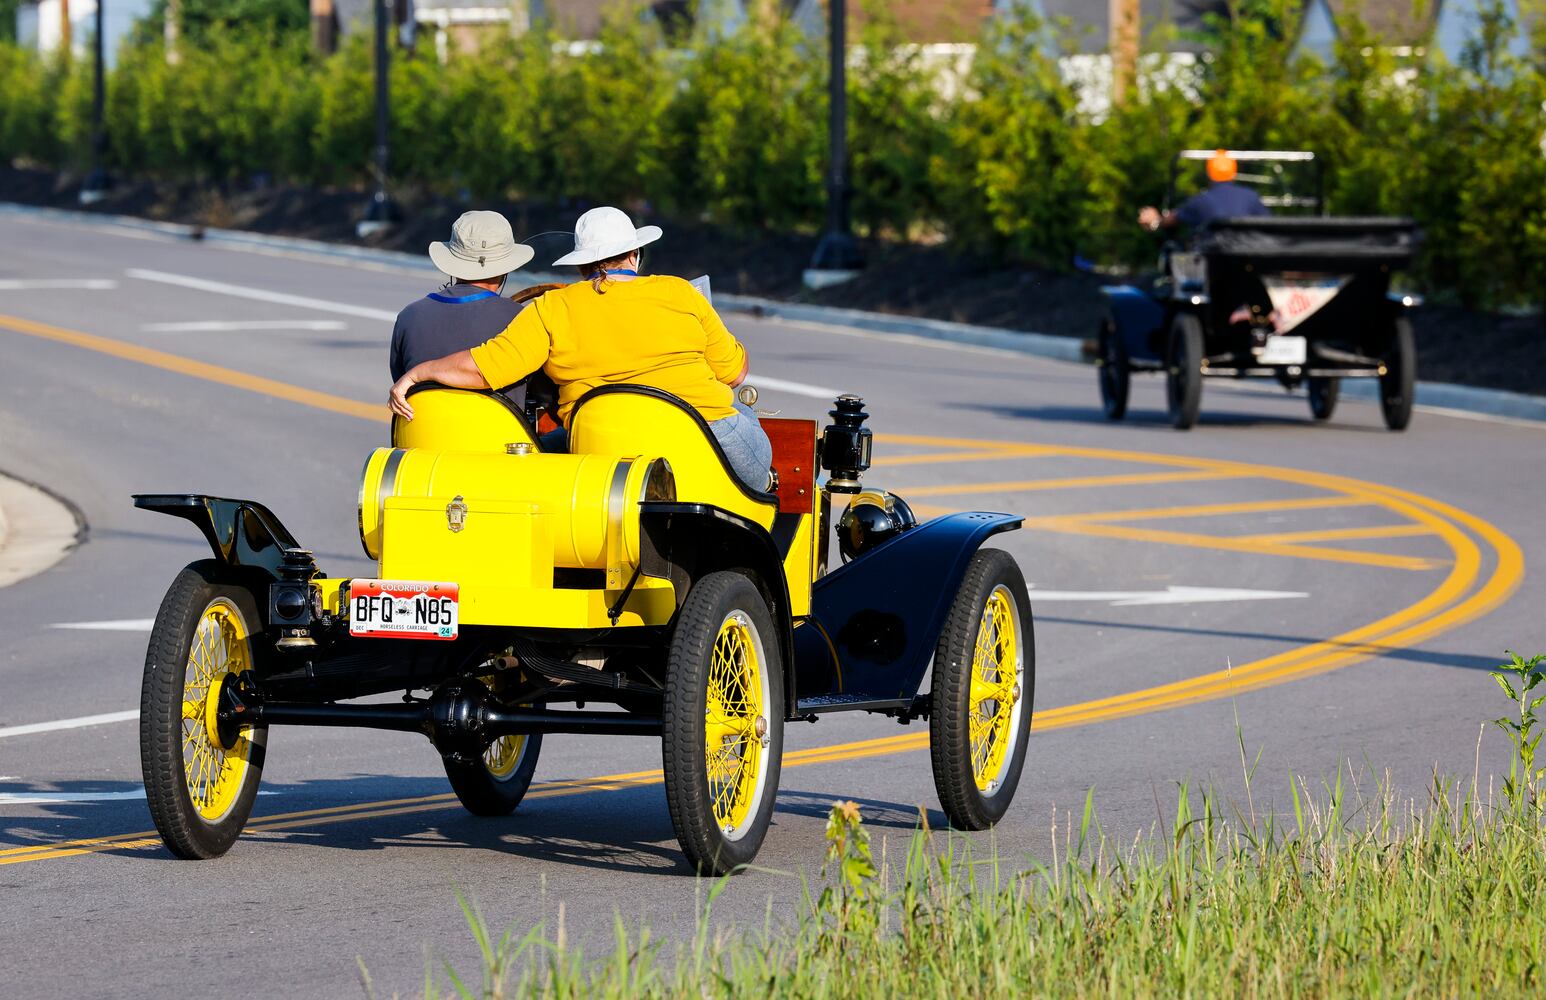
(616, 326)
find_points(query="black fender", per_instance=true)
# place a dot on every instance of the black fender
(682, 542)
(1139, 320)
(243, 534)
(876, 620)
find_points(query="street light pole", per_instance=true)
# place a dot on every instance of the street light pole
(95, 188)
(837, 256)
(382, 213)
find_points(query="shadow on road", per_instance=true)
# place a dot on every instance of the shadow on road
(625, 831)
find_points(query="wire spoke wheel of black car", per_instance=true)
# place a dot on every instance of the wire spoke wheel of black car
(1323, 392)
(984, 682)
(201, 775)
(1183, 370)
(1115, 375)
(723, 723)
(1398, 385)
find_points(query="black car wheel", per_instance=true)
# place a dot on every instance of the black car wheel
(984, 682)
(1183, 373)
(723, 723)
(1324, 391)
(1115, 375)
(201, 775)
(1399, 383)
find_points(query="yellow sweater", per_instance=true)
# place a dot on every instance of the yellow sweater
(657, 331)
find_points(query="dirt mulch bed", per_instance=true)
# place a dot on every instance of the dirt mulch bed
(1455, 344)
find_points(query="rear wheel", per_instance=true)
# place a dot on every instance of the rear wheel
(1115, 376)
(201, 776)
(495, 783)
(723, 723)
(1324, 391)
(984, 680)
(1399, 383)
(1183, 373)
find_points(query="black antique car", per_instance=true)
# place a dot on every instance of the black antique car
(1304, 299)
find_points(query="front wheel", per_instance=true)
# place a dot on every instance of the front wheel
(1115, 375)
(201, 775)
(494, 784)
(984, 682)
(1183, 372)
(1398, 386)
(723, 723)
(1323, 391)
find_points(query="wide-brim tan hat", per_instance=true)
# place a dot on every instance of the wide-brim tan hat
(604, 233)
(482, 246)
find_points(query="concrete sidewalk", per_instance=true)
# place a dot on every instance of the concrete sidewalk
(36, 530)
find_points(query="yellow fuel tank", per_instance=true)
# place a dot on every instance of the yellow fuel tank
(589, 503)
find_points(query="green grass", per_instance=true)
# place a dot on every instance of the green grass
(1355, 893)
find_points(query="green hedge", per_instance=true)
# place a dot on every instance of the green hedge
(1003, 161)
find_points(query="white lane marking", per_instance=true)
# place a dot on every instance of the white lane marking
(1170, 595)
(77, 723)
(260, 294)
(57, 798)
(234, 326)
(796, 388)
(53, 284)
(114, 625)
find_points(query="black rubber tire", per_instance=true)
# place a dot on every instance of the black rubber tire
(1183, 371)
(185, 832)
(966, 806)
(1398, 386)
(1114, 374)
(483, 793)
(1323, 391)
(710, 601)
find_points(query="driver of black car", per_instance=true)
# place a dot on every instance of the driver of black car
(1223, 199)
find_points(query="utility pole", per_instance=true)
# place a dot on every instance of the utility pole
(95, 188)
(1124, 50)
(837, 256)
(65, 29)
(171, 29)
(382, 214)
(324, 29)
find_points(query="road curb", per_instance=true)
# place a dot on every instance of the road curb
(1431, 395)
(37, 529)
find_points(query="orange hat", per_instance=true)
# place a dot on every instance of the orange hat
(1221, 167)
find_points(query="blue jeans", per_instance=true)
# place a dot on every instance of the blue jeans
(746, 445)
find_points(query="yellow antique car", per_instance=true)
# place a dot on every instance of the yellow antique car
(631, 586)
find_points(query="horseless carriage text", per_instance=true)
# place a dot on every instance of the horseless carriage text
(516, 587)
(1301, 299)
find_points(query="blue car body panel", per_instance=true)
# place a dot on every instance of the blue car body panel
(1140, 322)
(875, 621)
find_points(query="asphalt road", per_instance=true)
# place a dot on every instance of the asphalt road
(1409, 551)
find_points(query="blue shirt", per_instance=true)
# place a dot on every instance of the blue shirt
(1221, 201)
(433, 327)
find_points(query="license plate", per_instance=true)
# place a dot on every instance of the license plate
(403, 609)
(1281, 350)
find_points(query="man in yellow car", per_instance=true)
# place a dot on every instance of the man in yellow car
(468, 309)
(616, 326)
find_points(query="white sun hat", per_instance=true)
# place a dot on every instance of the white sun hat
(481, 246)
(604, 233)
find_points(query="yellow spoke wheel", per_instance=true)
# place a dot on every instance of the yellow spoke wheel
(984, 671)
(722, 717)
(495, 784)
(201, 775)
